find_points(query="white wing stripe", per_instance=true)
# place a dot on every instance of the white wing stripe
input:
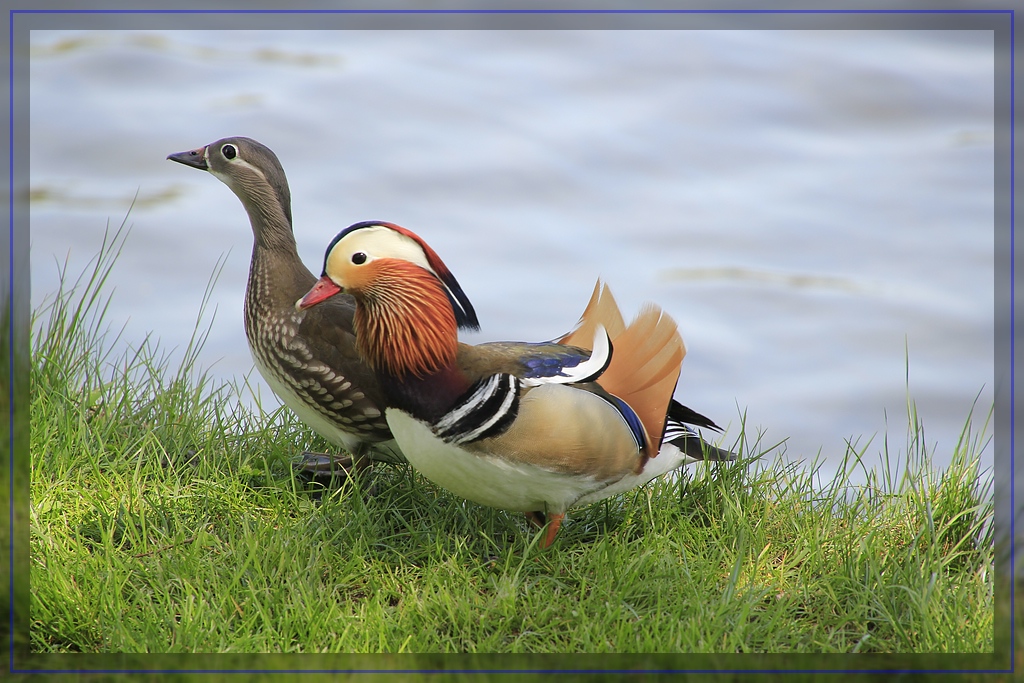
(588, 370)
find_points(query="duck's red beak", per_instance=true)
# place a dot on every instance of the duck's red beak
(323, 289)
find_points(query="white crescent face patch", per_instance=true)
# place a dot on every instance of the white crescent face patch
(376, 242)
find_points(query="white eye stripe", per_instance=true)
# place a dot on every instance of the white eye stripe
(239, 161)
(236, 161)
(400, 246)
(376, 243)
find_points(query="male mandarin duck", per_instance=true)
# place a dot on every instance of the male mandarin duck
(537, 428)
(308, 358)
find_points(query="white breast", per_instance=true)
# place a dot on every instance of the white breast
(484, 479)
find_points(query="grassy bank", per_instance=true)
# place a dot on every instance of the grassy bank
(166, 518)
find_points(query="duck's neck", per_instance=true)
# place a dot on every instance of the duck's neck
(269, 214)
(277, 276)
(406, 331)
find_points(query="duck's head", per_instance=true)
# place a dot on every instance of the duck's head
(363, 259)
(410, 306)
(250, 169)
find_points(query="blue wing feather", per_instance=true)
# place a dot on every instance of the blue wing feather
(546, 364)
(534, 360)
(632, 419)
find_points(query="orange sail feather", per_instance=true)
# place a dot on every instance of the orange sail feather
(646, 357)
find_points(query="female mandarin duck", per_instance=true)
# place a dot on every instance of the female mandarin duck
(538, 428)
(308, 359)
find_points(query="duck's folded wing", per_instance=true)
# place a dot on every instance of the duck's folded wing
(537, 363)
(559, 428)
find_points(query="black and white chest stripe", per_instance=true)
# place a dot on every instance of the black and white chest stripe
(491, 405)
(488, 408)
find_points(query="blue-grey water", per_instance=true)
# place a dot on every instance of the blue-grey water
(815, 209)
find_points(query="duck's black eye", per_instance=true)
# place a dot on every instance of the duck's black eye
(359, 258)
(229, 151)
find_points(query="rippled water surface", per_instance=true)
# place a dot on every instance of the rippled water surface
(813, 208)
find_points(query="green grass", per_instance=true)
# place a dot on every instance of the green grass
(166, 518)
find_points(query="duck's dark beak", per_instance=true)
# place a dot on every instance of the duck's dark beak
(323, 289)
(196, 158)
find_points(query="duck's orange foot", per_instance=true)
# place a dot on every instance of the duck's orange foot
(554, 523)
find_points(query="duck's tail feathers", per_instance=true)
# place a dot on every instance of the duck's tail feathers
(646, 360)
(600, 310)
(679, 434)
(680, 413)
